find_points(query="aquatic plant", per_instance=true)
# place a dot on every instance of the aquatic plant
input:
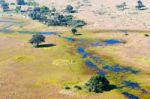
(93, 66)
(101, 72)
(112, 41)
(97, 59)
(48, 33)
(106, 42)
(130, 96)
(69, 39)
(132, 85)
(90, 64)
(117, 68)
(82, 52)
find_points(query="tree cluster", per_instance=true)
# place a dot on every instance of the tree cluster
(53, 18)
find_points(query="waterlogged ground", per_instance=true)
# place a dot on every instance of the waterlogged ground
(42, 73)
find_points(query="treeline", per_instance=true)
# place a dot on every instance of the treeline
(54, 18)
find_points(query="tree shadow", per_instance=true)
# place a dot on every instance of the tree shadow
(46, 45)
(109, 87)
(78, 34)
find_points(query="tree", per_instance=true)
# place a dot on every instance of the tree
(97, 83)
(36, 9)
(2, 1)
(74, 30)
(69, 9)
(20, 2)
(5, 6)
(139, 5)
(78, 23)
(44, 9)
(37, 39)
(18, 9)
(122, 6)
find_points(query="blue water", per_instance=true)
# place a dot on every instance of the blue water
(97, 59)
(117, 68)
(90, 64)
(85, 54)
(5, 30)
(69, 39)
(106, 42)
(27, 32)
(82, 52)
(93, 66)
(47, 33)
(97, 44)
(130, 96)
(112, 41)
(101, 72)
(132, 85)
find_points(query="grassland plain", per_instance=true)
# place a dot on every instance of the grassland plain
(32, 73)
(41, 73)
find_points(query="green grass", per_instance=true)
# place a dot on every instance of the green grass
(59, 65)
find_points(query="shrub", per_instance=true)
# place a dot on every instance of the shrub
(122, 6)
(77, 87)
(97, 83)
(67, 87)
(12, 3)
(146, 35)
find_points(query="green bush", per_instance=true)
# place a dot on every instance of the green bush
(146, 35)
(78, 87)
(97, 83)
(67, 87)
